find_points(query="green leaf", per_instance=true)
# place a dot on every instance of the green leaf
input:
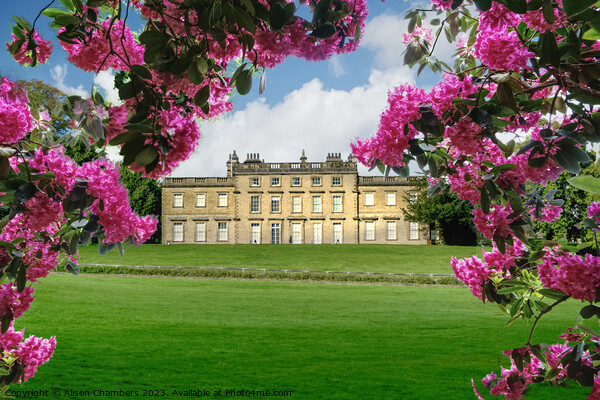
(243, 82)
(485, 201)
(65, 20)
(321, 9)
(550, 53)
(591, 34)
(510, 289)
(146, 155)
(548, 12)
(72, 268)
(483, 5)
(551, 293)
(276, 16)
(588, 183)
(357, 33)
(573, 7)
(506, 97)
(202, 96)
(244, 20)
(324, 31)
(54, 12)
(23, 23)
(518, 6)
(141, 71)
(69, 4)
(589, 311)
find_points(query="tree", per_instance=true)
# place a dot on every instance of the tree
(522, 69)
(145, 197)
(173, 74)
(445, 212)
(571, 223)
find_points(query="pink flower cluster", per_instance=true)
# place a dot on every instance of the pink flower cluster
(512, 383)
(32, 352)
(501, 50)
(495, 223)
(24, 56)
(15, 117)
(106, 49)
(475, 273)
(117, 217)
(571, 274)
(183, 135)
(419, 35)
(12, 302)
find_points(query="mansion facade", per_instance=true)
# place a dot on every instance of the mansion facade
(293, 202)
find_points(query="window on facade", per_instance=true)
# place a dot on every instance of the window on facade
(369, 199)
(275, 233)
(296, 181)
(316, 204)
(369, 230)
(255, 181)
(222, 232)
(337, 204)
(391, 230)
(412, 198)
(200, 199)
(296, 204)
(275, 182)
(178, 200)
(317, 233)
(316, 181)
(255, 233)
(178, 231)
(275, 204)
(296, 233)
(390, 199)
(254, 204)
(336, 181)
(337, 233)
(222, 200)
(200, 231)
(413, 230)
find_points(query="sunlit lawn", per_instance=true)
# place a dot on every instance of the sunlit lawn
(372, 258)
(321, 341)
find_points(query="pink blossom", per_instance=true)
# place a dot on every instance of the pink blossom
(451, 87)
(571, 274)
(501, 50)
(182, 133)
(535, 19)
(10, 338)
(495, 223)
(593, 210)
(498, 18)
(442, 4)
(419, 35)
(473, 272)
(24, 56)
(488, 379)
(15, 116)
(12, 302)
(34, 352)
(549, 213)
(96, 55)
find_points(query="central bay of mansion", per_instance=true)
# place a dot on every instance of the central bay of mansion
(290, 202)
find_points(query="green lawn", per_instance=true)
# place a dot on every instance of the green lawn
(321, 341)
(371, 258)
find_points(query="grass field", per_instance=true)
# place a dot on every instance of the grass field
(371, 258)
(321, 341)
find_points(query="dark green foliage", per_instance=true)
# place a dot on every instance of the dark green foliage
(570, 224)
(144, 196)
(443, 211)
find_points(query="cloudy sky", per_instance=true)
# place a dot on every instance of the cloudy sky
(319, 107)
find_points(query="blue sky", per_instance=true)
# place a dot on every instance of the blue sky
(320, 106)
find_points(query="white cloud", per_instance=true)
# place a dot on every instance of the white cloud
(58, 74)
(106, 81)
(336, 67)
(313, 118)
(383, 35)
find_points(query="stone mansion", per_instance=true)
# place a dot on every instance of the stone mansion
(291, 202)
